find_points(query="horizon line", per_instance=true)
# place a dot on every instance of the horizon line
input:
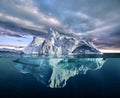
(110, 51)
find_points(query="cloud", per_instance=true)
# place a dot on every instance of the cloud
(95, 19)
(26, 15)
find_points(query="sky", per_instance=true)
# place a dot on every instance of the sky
(98, 20)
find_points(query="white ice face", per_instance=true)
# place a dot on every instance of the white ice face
(57, 44)
(54, 72)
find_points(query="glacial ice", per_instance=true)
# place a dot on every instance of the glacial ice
(51, 68)
(35, 46)
(54, 72)
(56, 44)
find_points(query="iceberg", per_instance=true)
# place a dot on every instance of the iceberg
(58, 58)
(12, 51)
(54, 72)
(56, 44)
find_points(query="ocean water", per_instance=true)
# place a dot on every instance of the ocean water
(14, 83)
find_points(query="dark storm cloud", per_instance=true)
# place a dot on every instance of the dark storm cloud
(96, 19)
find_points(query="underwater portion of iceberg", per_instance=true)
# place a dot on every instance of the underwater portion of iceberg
(54, 72)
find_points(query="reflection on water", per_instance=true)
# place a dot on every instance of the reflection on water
(54, 72)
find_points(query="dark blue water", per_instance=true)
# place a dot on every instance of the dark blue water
(101, 83)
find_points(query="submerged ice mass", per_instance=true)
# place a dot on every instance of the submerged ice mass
(54, 72)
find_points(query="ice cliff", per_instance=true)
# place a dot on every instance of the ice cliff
(57, 44)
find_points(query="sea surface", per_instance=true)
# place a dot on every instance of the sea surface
(101, 83)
